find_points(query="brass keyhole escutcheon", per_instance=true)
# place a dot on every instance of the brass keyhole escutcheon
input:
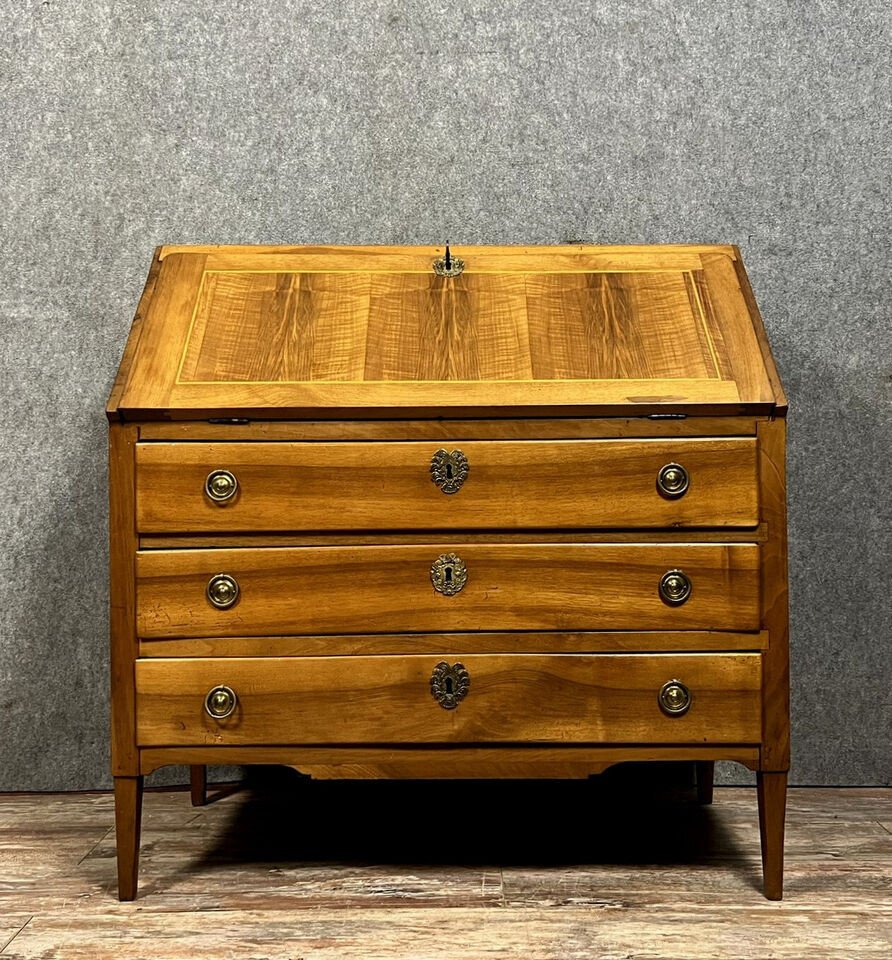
(674, 698)
(675, 587)
(223, 591)
(449, 470)
(220, 486)
(450, 684)
(673, 481)
(220, 702)
(449, 574)
(448, 265)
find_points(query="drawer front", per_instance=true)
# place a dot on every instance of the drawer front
(509, 698)
(391, 486)
(372, 589)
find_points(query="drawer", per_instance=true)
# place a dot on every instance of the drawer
(508, 698)
(390, 486)
(372, 589)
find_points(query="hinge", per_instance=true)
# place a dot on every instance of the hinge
(667, 416)
(231, 421)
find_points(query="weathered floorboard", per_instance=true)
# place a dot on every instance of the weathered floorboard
(448, 870)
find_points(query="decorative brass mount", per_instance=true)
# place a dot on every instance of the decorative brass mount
(449, 684)
(449, 470)
(449, 574)
(447, 265)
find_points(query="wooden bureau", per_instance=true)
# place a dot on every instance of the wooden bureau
(501, 512)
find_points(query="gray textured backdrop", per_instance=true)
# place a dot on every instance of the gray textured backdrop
(129, 124)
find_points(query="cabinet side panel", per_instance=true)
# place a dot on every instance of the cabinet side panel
(775, 616)
(122, 551)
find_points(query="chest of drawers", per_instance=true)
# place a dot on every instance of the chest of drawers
(510, 512)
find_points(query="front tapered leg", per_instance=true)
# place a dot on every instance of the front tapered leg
(128, 816)
(772, 789)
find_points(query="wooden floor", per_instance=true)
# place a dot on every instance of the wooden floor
(288, 868)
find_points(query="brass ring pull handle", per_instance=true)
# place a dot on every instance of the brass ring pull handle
(449, 574)
(674, 698)
(220, 702)
(449, 470)
(449, 684)
(220, 486)
(223, 591)
(673, 481)
(675, 587)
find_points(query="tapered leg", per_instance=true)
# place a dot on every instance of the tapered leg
(772, 809)
(128, 815)
(198, 781)
(705, 774)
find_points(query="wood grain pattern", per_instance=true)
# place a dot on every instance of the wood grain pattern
(518, 698)
(744, 352)
(615, 326)
(133, 338)
(128, 823)
(567, 428)
(774, 591)
(667, 256)
(285, 332)
(57, 850)
(444, 762)
(772, 789)
(174, 541)
(243, 877)
(458, 644)
(375, 589)
(746, 289)
(122, 595)
(381, 486)
(278, 326)
(281, 327)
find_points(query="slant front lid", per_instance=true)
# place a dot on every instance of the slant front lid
(374, 331)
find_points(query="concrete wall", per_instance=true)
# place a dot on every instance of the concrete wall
(129, 124)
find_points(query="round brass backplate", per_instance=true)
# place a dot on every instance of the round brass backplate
(220, 702)
(220, 486)
(674, 698)
(675, 587)
(673, 480)
(223, 591)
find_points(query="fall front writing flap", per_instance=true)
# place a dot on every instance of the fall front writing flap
(376, 331)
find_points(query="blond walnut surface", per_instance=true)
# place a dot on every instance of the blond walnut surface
(282, 332)
(386, 486)
(413, 525)
(513, 698)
